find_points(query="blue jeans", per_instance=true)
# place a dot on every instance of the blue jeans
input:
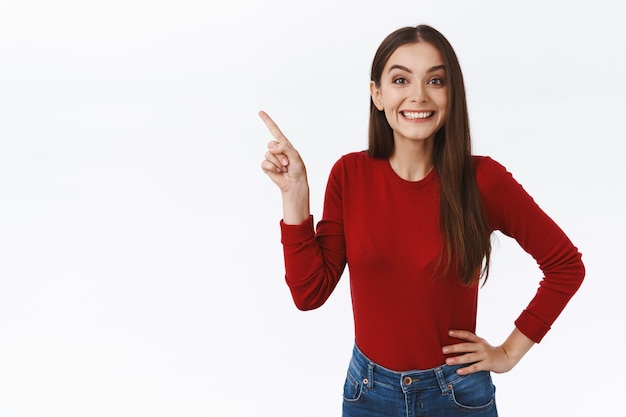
(373, 391)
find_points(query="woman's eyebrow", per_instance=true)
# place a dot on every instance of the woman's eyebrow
(405, 69)
(401, 68)
(436, 67)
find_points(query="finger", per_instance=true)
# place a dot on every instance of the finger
(279, 161)
(461, 348)
(268, 167)
(465, 335)
(279, 152)
(473, 368)
(273, 127)
(466, 358)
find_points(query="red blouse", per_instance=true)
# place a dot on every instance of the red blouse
(387, 231)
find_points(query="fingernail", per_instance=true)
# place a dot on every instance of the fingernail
(445, 350)
(284, 161)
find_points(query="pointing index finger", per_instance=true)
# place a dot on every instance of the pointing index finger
(273, 127)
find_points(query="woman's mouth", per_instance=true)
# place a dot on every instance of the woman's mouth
(415, 115)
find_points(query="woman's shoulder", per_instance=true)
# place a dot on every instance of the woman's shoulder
(487, 168)
(355, 157)
(356, 166)
(486, 163)
(354, 160)
(491, 175)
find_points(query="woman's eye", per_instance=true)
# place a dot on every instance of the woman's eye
(400, 80)
(435, 81)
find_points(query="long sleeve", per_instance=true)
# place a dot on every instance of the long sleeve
(512, 211)
(315, 261)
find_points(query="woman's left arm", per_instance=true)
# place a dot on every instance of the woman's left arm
(512, 211)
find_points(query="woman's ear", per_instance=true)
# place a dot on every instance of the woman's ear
(376, 96)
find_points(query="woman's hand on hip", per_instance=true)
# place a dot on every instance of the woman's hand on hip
(479, 355)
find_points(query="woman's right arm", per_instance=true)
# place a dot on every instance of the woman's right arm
(313, 262)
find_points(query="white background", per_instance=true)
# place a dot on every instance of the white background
(140, 264)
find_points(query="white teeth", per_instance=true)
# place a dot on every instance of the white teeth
(417, 115)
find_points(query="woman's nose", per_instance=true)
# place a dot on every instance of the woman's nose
(418, 93)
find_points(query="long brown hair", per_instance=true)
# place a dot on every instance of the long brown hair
(466, 233)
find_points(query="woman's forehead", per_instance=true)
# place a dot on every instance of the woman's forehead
(414, 57)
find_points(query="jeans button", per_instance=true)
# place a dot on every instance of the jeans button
(407, 380)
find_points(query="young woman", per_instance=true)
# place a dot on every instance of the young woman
(412, 218)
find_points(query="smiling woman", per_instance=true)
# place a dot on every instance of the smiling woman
(413, 95)
(412, 219)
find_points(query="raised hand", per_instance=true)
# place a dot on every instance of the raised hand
(285, 167)
(282, 161)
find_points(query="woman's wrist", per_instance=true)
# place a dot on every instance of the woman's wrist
(517, 345)
(296, 204)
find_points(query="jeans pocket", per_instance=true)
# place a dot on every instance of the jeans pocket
(473, 392)
(352, 388)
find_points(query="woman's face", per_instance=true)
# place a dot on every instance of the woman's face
(413, 92)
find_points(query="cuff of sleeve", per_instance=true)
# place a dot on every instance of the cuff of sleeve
(531, 326)
(294, 234)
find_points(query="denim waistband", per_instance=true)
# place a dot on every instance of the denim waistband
(407, 381)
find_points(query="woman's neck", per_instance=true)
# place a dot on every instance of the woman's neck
(412, 161)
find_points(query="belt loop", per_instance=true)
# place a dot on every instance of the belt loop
(370, 375)
(441, 380)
